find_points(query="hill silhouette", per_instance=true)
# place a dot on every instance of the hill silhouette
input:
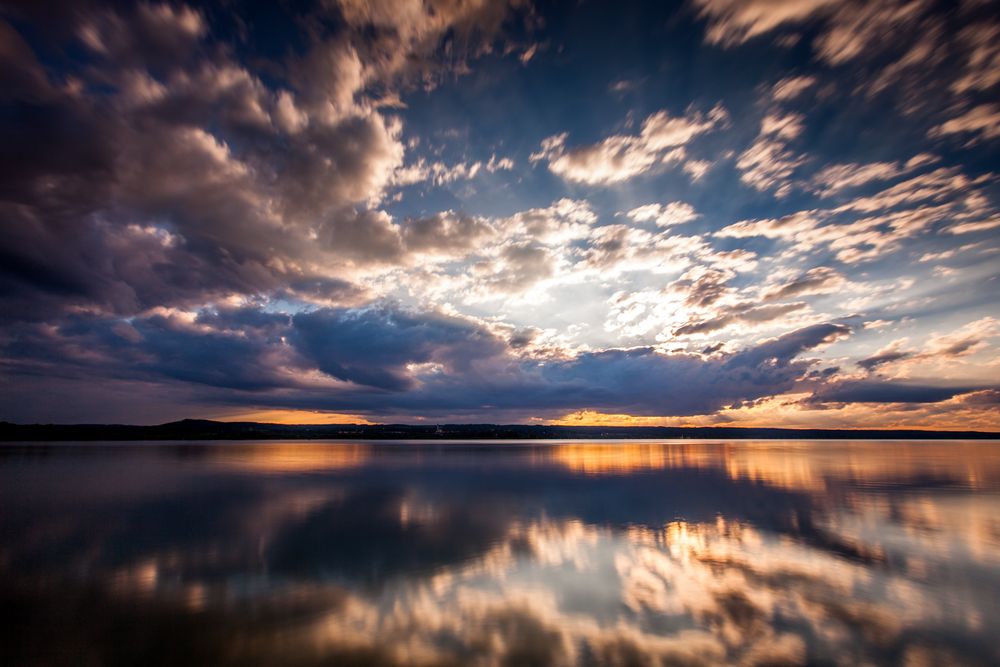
(202, 429)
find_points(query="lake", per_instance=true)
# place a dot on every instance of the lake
(526, 553)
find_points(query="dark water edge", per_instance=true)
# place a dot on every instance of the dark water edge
(529, 553)
(202, 429)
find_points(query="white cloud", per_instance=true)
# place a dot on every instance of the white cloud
(661, 141)
(982, 68)
(850, 26)
(769, 165)
(664, 215)
(891, 216)
(982, 122)
(791, 87)
(783, 126)
(733, 22)
(837, 177)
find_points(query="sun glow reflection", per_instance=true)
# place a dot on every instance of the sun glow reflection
(291, 457)
(788, 464)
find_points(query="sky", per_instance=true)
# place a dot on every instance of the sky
(711, 212)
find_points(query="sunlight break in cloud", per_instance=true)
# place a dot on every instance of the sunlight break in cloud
(477, 211)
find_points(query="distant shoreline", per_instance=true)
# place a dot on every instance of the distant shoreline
(196, 429)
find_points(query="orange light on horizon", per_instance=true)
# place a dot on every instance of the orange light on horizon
(293, 417)
(594, 418)
(788, 411)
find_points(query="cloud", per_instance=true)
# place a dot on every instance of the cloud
(732, 22)
(661, 141)
(887, 355)
(769, 164)
(783, 126)
(818, 280)
(936, 352)
(445, 232)
(791, 87)
(857, 26)
(561, 222)
(708, 302)
(668, 380)
(517, 267)
(987, 397)
(964, 341)
(781, 350)
(865, 391)
(21, 75)
(974, 227)
(909, 47)
(703, 287)
(391, 340)
(476, 259)
(528, 254)
(871, 226)
(838, 177)
(982, 69)
(616, 248)
(738, 314)
(150, 35)
(850, 27)
(381, 360)
(403, 38)
(173, 187)
(983, 122)
(183, 177)
(439, 173)
(622, 86)
(664, 215)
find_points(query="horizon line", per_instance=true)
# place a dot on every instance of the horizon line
(231, 426)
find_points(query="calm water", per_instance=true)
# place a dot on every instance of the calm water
(501, 554)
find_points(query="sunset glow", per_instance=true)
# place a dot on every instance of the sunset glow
(705, 212)
(291, 417)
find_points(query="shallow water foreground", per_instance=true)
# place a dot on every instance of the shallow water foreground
(624, 553)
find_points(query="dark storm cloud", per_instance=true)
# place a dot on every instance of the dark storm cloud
(21, 75)
(373, 347)
(887, 391)
(241, 351)
(82, 183)
(876, 360)
(643, 381)
(145, 34)
(398, 361)
(478, 372)
(154, 168)
(780, 351)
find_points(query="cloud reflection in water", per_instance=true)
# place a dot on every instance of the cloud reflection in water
(502, 554)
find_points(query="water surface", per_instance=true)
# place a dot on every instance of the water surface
(624, 553)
